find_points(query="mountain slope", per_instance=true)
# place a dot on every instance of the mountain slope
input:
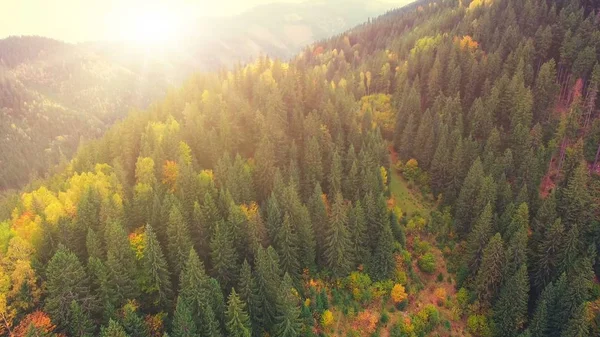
(263, 200)
(54, 94)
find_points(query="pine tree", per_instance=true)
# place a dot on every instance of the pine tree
(337, 241)
(183, 321)
(223, 255)
(510, 311)
(158, 283)
(120, 266)
(286, 244)
(489, 275)
(66, 282)
(237, 321)
(178, 243)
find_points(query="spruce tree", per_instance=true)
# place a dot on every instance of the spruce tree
(288, 323)
(468, 197)
(335, 174)
(547, 256)
(383, 264)
(120, 266)
(223, 255)
(286, 244)
(268, 281)
(318, 214)
(236, 318)
(510, 311)
(114, 329)
(133, 323)
(479, 238)
(157, 285)
(178, 243)
(489, 275)
(194, 288)
(338, 246)
(183, 321)
(80, 323)
(357, 227)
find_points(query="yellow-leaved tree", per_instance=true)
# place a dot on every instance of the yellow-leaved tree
(398, 293)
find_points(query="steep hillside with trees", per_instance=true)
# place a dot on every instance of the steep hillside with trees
(430, 172)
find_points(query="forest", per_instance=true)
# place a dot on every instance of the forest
(432, 172)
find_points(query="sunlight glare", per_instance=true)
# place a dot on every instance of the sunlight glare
(151, 28)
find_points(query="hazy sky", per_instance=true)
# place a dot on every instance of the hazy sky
(84, 20)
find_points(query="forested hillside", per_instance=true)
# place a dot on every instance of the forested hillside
(52, 95)
(431, 172)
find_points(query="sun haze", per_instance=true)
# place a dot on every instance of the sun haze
(110, 20)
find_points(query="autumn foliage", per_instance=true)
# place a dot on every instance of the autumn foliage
(398, 293)
(38, 320)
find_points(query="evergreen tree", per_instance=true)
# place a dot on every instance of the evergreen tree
(318, 214)
(575, 200)
(467, 197)
(479, 238)
(66, 282)
(510, 311)
(286, 244)
(287, 322)
(237, 321)
(114, 329)
(358, 234)
(94, 244)
(133, 324)
(335, 174)
(178, 243)
(183, 321)
(267, 281)
(383, 264)
(194, 288)
(547, 255)
(489, 275)
(337, 241)
(158, 283)
(223, 255)
(120, 266)
(80, 323)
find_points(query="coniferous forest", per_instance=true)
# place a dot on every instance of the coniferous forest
(432, 172)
